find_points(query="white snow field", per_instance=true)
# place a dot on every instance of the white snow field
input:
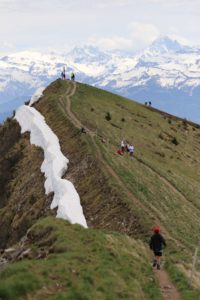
(54, 165)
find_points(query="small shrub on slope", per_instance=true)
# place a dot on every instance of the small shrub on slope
(174, 141)
(108, 116)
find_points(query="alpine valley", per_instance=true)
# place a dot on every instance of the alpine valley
(166, 73)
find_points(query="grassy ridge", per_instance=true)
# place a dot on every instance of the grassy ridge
(162, 179)
(81, 264)
(163, 176)
(159, 186)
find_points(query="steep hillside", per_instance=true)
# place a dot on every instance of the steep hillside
(22, 199)
(69, 262)
(165, 169)
(129, 196)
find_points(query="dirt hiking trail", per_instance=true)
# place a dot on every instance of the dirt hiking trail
(66, 105)
(167, 288)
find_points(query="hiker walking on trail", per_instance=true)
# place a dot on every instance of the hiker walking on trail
(72, 76)
(156, 244)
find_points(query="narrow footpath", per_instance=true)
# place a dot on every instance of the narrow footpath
(167, 288)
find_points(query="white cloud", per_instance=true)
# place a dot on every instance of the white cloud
(138, 36)
(173, 2)
(6, 47)
(112, 43)
(116, 3)
(180, 39)
(48, 5)
(113, 24)
(143, 34)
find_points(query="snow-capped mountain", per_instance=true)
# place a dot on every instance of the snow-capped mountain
(167, 73)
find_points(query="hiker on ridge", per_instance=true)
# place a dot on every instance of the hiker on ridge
(63, 74)
(156, 244)
(72, 76)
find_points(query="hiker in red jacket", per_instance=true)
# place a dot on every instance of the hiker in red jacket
(156, 244)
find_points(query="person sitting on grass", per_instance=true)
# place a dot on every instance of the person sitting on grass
(156, 244)
(83, 130)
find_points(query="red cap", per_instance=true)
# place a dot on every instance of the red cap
(156, 228)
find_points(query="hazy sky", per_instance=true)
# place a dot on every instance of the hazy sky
(111, 24)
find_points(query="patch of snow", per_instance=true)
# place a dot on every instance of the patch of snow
(38, 93)
(54, 165)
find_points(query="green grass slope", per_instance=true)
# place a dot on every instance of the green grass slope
(163, 176)
(159, 186)
(79, 264)
(122, 199)
(165, 173)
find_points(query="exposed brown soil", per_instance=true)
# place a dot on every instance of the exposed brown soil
(22, 198)
(9, 156)
(168, 289)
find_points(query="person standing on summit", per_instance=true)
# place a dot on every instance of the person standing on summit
(72, 76)
(156, 244)
(63, 74)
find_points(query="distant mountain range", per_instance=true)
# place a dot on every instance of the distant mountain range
(166, 73)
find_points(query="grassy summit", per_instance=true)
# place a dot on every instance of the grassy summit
(120, 196)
